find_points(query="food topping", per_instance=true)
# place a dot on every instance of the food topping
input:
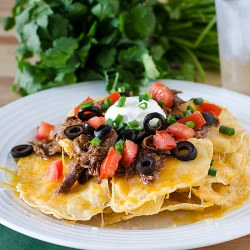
(184, 151)
(21, 150)
(74, 131)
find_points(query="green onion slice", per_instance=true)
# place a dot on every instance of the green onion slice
(104, 107)
(110, 122)
(143, 105)
(171, 120)
(190, 124)
(95, 141)
(118, 119)
(186, 113)
(121, 101)
(87, 104)
(144, 96)
(133, 124)
(121, 89)
(119, 146)
(198, 101)
(226, 130)
(190, 108)
(107, 101)
(212, 171)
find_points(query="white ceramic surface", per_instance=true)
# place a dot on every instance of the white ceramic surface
(17, 123)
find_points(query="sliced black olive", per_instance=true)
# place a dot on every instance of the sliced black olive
(128, 134)
(125, 94)
(21, 150)
(102, 131)
(86, 113)
(74, 131)
(140, 136)
(184, 151)
(161, 122)
(146, 165)
(87, 129)
(209, 118)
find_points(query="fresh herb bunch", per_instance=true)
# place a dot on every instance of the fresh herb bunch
(127, 43)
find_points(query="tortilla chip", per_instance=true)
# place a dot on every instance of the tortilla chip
(130, 194)
(81, 203)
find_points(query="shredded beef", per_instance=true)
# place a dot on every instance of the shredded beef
(87, 156)
(71, 177)
(110, 139)
(202, 132)
(177, 100)
(46, 148)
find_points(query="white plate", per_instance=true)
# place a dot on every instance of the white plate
(17, 121)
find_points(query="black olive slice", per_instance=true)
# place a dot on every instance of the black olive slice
(184, 151)
(86, 113)
(150, 129)
(102, 131)
(87, 129)
(21, 150)
(146, 165)
(208, 118)
(74, 131)
(128, 134)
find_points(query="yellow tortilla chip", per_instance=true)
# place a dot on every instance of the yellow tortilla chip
(148, 208)
(130, 194)
(81, 203)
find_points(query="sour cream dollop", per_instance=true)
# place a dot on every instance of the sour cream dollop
(131, 111)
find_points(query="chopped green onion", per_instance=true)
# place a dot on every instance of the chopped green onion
(171, 120)
(186, 113)
(143, 105)
(190, 108)
(212, 171)
(190, 124)
(107, 101)
(133, 124)
(104, 107)
(121, 101)
(118, 119)
(137, 128)
(161, 103)
(226, 130)
(144, 96)
(87, 104)
(110, 122)
(119, 146)
(198, 101)
(121, 89)
(95, 141)
(121, 127)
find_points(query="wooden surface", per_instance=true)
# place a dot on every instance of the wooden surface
(8, 45)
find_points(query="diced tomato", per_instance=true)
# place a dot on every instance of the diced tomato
(163, 140)
(114, 97)
(160, 92)
(180, 131)
(196, 117)
(129, 152)
(77, 108)
(110, 164)
(96, 121)
(44, 130)
(54, 171)
(210, 107)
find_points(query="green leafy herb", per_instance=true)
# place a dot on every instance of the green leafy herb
(125, 43)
